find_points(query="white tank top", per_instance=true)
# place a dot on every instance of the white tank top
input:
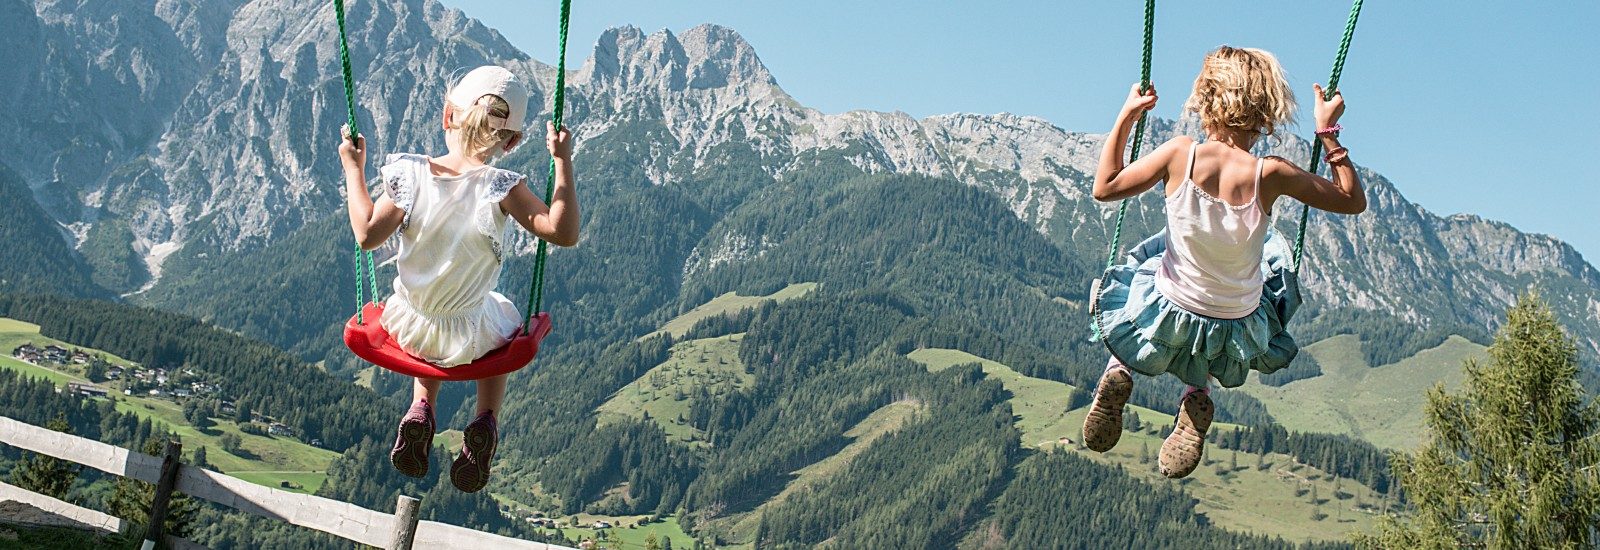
(1213, 262)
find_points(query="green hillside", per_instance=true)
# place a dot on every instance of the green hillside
(262, 459)
(1040, 405)
(881, 422)
(1382, 405)
(727, 304)
(664, 393)
(1270, 495)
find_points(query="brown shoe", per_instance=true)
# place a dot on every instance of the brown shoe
(1180, 453)
(470, 472)
(413, 440)
(1103, 426)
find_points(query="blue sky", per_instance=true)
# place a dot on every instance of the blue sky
(1468, 106)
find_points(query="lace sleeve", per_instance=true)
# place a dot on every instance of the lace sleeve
(399, 177)
(500, 184)
(491, 219)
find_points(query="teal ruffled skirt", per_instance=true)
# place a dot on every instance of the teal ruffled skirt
(1152, 335)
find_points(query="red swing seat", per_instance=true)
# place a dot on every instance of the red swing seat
(370, 341)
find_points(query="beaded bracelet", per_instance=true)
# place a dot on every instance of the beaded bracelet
(1336, 155)
(1330, 131)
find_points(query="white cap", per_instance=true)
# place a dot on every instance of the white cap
(492, 80)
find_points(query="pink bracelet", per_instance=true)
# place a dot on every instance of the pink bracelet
(1330, 131)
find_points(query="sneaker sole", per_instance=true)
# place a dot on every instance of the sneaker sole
(470, 476)
(1102, 427)
(1182, 450)
(410, 455)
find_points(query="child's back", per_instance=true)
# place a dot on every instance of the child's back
(1215, 238)
(444, 307)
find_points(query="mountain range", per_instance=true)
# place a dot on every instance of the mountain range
(186, 130)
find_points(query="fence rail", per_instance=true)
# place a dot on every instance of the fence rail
(337, 518)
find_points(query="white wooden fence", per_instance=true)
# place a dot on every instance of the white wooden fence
(400, 530)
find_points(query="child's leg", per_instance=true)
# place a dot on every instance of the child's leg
(491, 393)
(470, 473)
(1102, 427)
(415, 437)
(424, 389)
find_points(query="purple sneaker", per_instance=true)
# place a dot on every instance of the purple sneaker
(470, 473)
(410, 454)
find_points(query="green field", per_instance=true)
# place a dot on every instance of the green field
(265, 460)
(1382, 405)
(664, 392)
(728, 304)
(14, 333)
(632, 538)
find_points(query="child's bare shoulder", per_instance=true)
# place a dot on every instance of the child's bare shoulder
(1279, 166)
(1179, 142)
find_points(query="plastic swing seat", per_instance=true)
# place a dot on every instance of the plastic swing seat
(370, 341)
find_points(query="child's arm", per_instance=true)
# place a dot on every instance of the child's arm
(1113, 180)
(556, 223)
(372, 224)
(1343, 194)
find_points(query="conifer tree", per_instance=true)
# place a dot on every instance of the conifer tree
(1513, 459)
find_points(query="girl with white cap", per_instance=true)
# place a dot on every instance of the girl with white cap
(450, 214)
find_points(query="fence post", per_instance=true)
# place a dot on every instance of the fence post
(405, 523)
(156, 531)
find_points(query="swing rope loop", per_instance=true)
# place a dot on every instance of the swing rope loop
(536, 284)
(1316, 144)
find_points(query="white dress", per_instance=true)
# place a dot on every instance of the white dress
(444, 309)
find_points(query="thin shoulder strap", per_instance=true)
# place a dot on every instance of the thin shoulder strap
(1188, 172)
(1261, 164)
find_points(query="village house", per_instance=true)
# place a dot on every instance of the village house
(55, 354)
(28, 353)
(85, 390)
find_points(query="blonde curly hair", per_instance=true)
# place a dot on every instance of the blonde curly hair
(1242, 89)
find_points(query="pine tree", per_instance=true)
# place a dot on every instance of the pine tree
(199, 459)
(47, 475)
(651, 542)
(1513, 459)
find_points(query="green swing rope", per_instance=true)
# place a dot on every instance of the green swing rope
(1138, 139)
(1316, 144)
(536, 285)
(363, 257)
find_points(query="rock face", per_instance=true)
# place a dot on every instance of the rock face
(207, 128)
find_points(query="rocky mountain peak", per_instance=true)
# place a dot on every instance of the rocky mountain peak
(705, 57)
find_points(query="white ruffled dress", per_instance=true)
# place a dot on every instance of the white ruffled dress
(444, 309)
